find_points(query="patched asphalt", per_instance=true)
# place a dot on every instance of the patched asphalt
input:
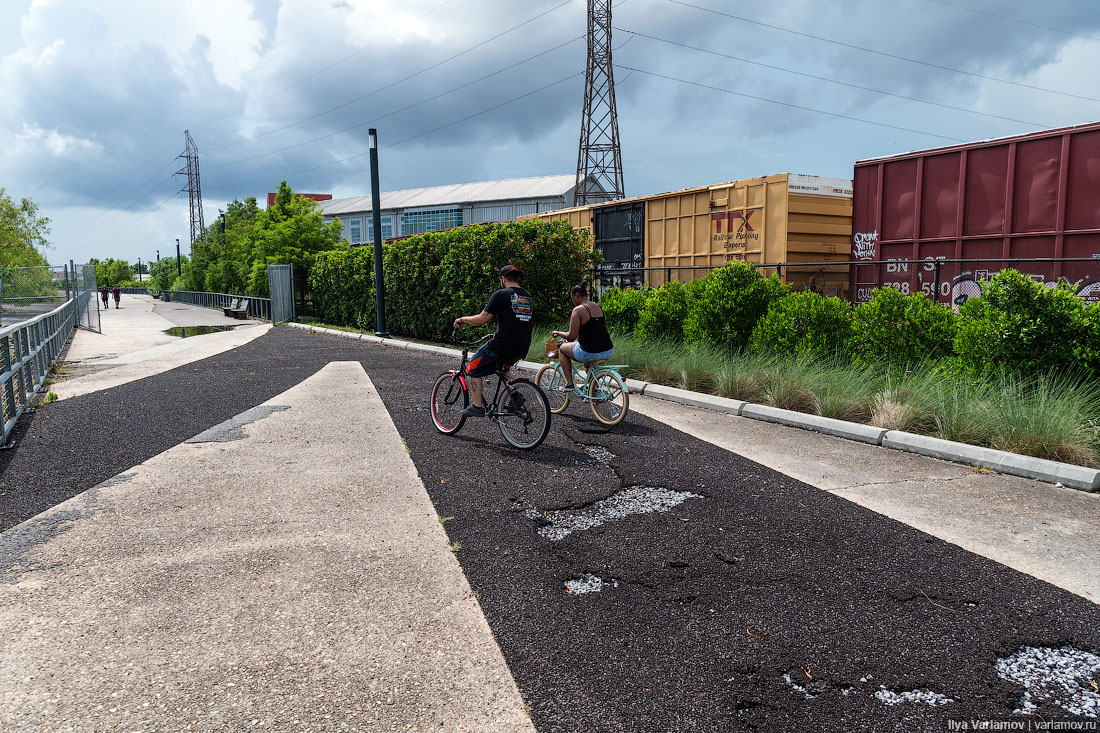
(704, 608)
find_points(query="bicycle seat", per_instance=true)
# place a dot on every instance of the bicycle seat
(597, 362)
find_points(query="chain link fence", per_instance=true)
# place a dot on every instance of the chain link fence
(47, 304)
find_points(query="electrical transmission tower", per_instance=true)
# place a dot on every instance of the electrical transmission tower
(194, 191)
(599, 160)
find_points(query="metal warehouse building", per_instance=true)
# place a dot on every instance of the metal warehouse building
(418, 210)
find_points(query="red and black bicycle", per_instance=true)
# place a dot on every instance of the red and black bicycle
(519, 408)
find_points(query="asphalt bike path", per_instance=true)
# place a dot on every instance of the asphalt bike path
(730, 597)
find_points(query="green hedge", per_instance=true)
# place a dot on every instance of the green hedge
(622, 308)
(731, 301)
(804, 323)
(664, 314)
(434, 277)
(901, 330)
(1023, 326)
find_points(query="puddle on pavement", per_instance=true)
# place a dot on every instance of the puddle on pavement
(185, 331)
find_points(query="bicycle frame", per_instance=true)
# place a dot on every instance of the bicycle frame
(501, 374)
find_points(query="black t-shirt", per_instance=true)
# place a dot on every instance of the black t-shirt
(513, 310)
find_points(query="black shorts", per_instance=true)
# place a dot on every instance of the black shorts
(486, 361)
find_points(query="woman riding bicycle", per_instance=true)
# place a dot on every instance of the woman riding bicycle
(587, 338)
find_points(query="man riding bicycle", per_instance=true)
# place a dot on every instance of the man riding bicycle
(512, 307)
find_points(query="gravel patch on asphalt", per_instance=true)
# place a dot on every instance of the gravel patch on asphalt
(598, 453)
(924, 697)
(636, 500)
(587, 583)
(1065, 676)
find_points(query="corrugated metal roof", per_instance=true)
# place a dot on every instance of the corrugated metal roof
(459, 193)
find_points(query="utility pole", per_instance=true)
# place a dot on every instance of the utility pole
(190, 169)
(599, 160)
(139, 269)
(179, 265)
(376, 206)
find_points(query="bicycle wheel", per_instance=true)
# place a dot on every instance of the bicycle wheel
(551, 380)
(523, 414)
(448, 401)
(608, 397)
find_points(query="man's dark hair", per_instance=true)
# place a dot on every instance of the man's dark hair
(580, 290)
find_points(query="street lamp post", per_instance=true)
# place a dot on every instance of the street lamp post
(376, 205)
(179, 264)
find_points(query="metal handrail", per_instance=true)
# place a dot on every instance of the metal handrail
(257, 307)
(28, 350)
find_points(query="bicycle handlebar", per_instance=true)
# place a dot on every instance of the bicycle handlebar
(471, 344)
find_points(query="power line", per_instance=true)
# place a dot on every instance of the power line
(411, 137)
(132, 222)
(788, 104)
(120, 185)
(393, 84)
(832, 81)
(304, 79)
(883, 53)
(402, 109)
(1016, 20)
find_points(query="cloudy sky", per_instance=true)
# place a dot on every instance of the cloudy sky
(97, 94)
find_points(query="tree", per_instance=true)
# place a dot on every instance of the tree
(162, 273)
(22, 233)
(235, 260)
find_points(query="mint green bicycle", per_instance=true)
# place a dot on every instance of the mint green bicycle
(601, 386)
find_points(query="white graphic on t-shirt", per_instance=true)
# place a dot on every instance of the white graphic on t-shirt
(521, 306)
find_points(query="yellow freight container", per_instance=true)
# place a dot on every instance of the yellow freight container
(782, 220)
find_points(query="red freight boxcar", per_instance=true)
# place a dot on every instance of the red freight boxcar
(992, 203)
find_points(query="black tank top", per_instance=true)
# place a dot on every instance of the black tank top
(593, 336)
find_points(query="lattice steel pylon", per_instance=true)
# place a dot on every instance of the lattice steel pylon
(599, 159)
(193, 189)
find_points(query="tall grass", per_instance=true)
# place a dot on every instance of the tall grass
(1047, 416)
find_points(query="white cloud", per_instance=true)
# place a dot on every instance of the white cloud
(56, 143)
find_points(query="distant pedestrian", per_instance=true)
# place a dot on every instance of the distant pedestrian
(117, 292)
(104, 294)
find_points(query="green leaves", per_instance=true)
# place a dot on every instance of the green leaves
(1026, 327)
(431, 278)
(901, 330)
(804, 323)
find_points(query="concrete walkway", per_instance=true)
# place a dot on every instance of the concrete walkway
(271, 573)
(133, 344)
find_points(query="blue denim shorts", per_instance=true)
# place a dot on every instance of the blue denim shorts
(580, 354)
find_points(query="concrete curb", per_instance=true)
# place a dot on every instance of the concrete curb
(695, 399)
(840, 428)
(1067, 474)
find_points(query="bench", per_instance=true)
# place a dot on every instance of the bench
(237, 309)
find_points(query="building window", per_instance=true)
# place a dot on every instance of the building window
(355, 231)
(417, 222)
(387, 228)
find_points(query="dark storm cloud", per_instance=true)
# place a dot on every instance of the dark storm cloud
(89, 117)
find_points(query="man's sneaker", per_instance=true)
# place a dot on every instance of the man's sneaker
(473, 411)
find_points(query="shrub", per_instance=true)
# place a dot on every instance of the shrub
(901, 330)
(665, 311)
(433, 277)
(804, 323)
(622, 308)
(1019, 325)
(730, 302)
(342, 284)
